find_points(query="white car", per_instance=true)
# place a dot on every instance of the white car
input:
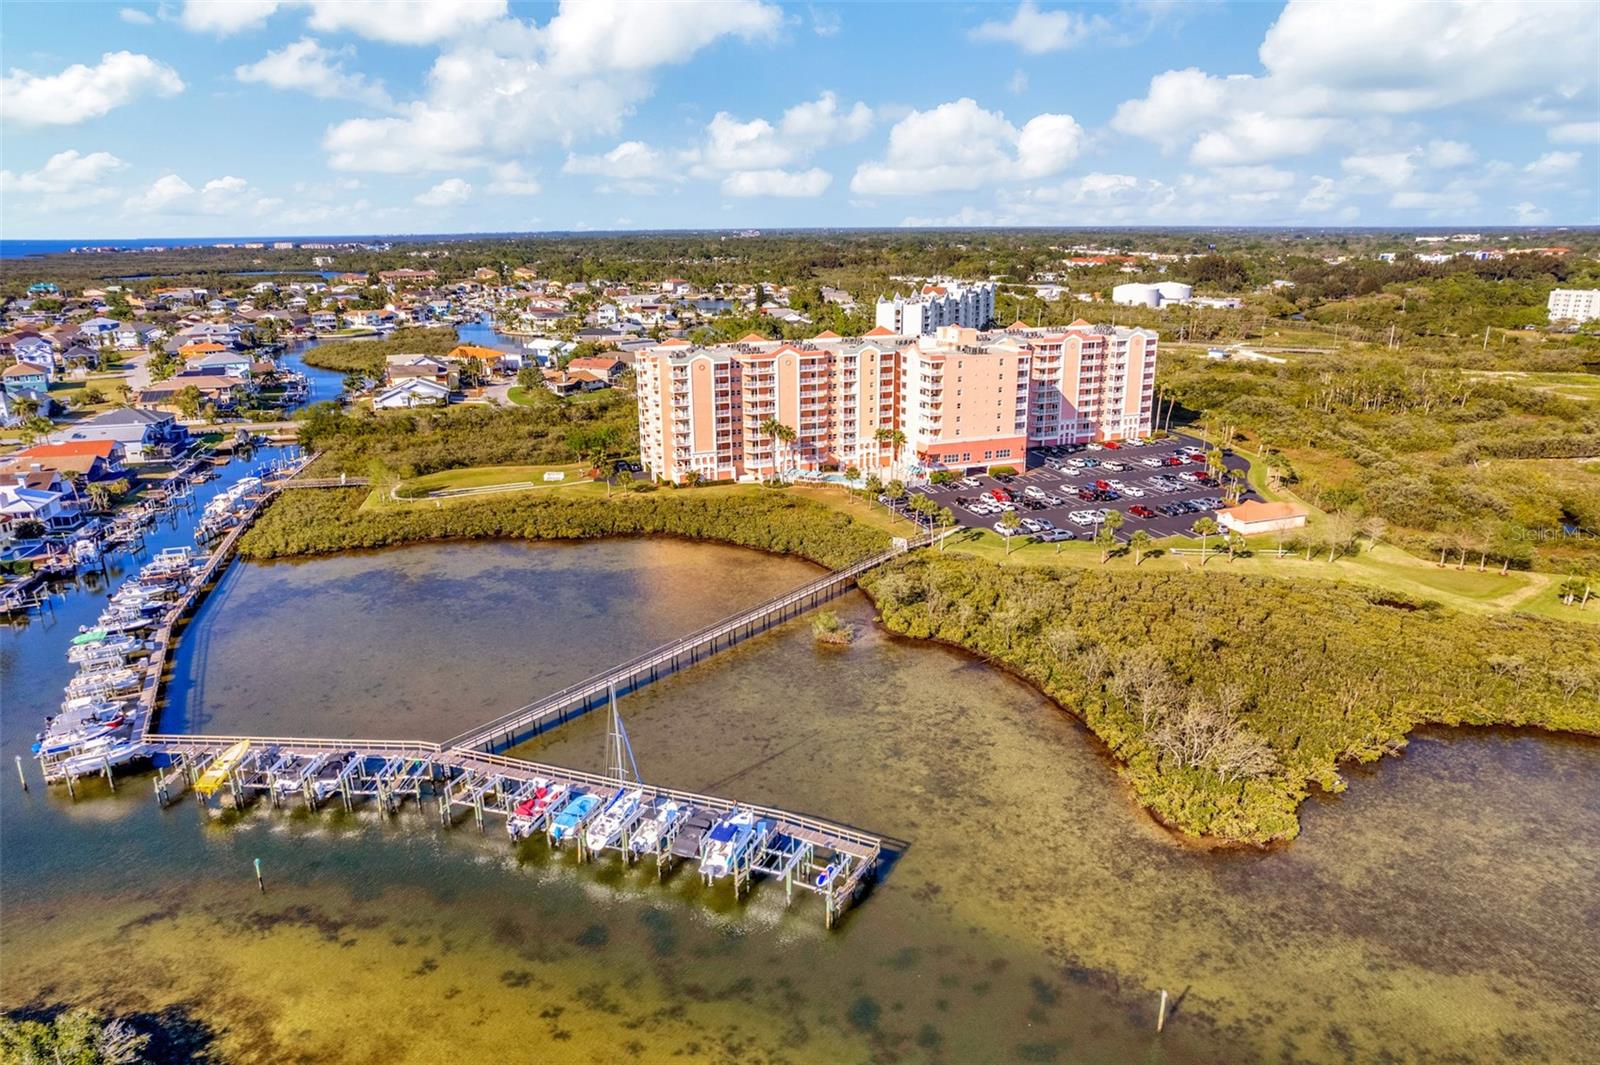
(1033, 491)
(1000, 528)
(1081, 517)
(1044, 524)
(1133, 492)
(984, 509)
(1050, 536)
(1095, 447)
(1154, 464)
(969, 482)
(1077, 463)
(1032, 525)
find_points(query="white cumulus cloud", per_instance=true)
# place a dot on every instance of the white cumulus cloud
(1037, 32)
(224, 196)
(447, 193)
(306, 66)
(1333, 71)
(775, 182)
(961, 146)
(488, 99)
(81, 92)
(390, 21)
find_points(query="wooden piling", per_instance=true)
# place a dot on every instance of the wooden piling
(1161, 1015)
(20, 774)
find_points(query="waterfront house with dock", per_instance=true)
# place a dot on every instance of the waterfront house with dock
(145, 435)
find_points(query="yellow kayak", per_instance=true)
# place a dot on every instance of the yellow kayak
(216, 774)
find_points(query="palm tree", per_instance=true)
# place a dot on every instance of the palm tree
(780, 433)
(1235, 544)
(1106, 536)
(944, 519)
(1205, 528)
(1010, 523)
(1140, 542)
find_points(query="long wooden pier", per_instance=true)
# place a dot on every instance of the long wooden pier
(525, 722)
(830, 859)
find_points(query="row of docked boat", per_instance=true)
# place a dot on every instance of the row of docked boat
(97, 726)
(625, 820)
(228, 509)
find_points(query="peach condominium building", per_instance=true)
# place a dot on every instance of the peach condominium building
(956, 399)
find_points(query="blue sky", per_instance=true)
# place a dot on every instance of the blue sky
(285, 117)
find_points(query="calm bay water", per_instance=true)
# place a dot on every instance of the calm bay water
(1444, 908)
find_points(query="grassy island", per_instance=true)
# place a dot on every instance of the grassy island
(1226, 698)
(324, 520)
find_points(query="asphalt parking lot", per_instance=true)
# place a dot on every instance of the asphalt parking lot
(1142, 486)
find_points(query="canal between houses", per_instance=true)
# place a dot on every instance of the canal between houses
(1443, 908)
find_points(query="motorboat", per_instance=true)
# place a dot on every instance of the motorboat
(216, 773)
(74, 730)
(119, 648)
(656, 825)
(568, 821)
(618, 816)
(730, 840)
(106, 682)
(529, 813)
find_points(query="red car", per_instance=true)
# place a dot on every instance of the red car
(1197, 458)
(1112, 445)
(1141, 511)
(1102, 485)
(1000, 495)
(1173, 460)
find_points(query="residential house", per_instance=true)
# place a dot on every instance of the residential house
(492, 358)
(571, 382)
(80, 357)
(37, 477)
(25, 378)
(221, 390)
(227, 363)
(19, 504)
(324, 321)
(28, 345)
(145, 435)
(401, 367)
(606, 367)
(94, 460)
(135, 336)
(412, 392)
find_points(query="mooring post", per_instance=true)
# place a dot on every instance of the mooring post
(261, 884)
(105, 760)
(1161, 1016)
(20, 774)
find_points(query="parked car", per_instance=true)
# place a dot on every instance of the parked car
(1000, 528)
(1033, 490)
(1050, 536)
(1141, 511)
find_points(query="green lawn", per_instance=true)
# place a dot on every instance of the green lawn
(1382, 567)
(519, 395)
(486, 476)
(1580, 386)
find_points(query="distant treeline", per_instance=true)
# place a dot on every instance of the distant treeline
(1226, 698)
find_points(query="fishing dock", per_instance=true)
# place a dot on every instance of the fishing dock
(470, 774)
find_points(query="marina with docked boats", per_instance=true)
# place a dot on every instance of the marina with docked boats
(109, 717)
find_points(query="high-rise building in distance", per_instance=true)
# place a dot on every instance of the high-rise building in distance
(970, 306)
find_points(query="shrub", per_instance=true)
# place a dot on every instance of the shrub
(1002, 471)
